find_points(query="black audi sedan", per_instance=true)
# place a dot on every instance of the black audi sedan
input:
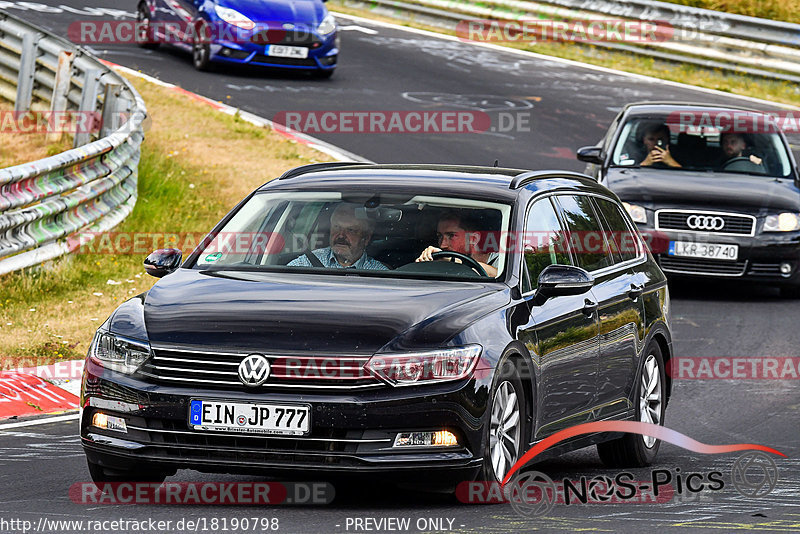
(716, 189)
(354, 318)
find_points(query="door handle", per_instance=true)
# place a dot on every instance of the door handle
(589, 307)
(635, 291)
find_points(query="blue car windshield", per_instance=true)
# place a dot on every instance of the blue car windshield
(337, 232)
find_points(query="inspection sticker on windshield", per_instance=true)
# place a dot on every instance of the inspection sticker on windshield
(703, 250)
(285, 419)
(300, 52)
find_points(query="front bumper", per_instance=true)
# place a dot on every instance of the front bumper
(351, 432)
(759, 259)
(323, 57)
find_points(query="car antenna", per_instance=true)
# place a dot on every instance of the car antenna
(496, 162)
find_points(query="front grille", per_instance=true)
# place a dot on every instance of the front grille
(734, 224)
(307, 62)
(286, 37)
(703, 266)
(220, 370)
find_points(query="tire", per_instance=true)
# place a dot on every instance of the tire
(101, 475)
(634, 450)
(790, 292)
(503, 428)
(201, 50)
(146, 37)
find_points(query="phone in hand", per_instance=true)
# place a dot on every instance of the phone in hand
(660, 143)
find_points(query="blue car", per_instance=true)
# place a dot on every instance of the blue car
(287, 34)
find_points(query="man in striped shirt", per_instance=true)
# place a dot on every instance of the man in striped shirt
(349, 238)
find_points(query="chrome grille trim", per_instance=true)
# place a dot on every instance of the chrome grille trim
(727, 216)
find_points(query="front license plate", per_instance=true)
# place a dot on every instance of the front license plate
(286, 419)
(299, 52)
(703, 250)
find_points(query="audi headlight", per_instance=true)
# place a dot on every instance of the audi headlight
(231, 16)
(327, 26)
(117, 353)
(785, 222)
(637, 213)
(425, 367)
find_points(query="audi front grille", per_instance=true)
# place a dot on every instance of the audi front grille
(708, 222)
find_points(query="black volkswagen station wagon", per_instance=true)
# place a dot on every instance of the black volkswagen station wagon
(355, 318)
(717, 189)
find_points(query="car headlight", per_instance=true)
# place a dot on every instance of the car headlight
(637, 213)
(425, 367)
(785, 222)
(231, 16)
(327, 26)
(117, 353)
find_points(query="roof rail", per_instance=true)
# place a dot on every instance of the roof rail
(312, 167)
(525, 178)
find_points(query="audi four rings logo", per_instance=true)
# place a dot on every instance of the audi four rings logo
(705, 222)
(254, 370)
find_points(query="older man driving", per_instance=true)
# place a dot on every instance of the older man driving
(349, 237)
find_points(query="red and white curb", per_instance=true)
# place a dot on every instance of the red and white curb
(46, 389)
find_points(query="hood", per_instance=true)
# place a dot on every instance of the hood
(279, 11)
(327, 313)
(704, 190)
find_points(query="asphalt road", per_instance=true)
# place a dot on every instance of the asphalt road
(568, 106)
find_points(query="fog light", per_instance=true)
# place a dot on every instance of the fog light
(109, 422)
(786, 269)
(442, 438)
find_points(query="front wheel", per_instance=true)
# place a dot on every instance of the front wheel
(146, 37)
(635, 450)
(201, 49)
(506, 434)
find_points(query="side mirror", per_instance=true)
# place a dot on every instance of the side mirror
(591, 154)
(562, 280)
(163, 261)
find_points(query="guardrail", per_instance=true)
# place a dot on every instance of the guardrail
(710, 39)
(90, 188)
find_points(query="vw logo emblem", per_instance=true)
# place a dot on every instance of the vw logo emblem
(705, 222)
(288, 26)
(254, 370)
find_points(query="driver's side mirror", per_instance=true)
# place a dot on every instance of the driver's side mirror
(591, 154)
(562, 280)
(163, 261)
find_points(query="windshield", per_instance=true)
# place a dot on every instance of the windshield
(377, 234)
(661, 143)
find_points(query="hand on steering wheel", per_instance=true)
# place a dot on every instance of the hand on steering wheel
(467, 260)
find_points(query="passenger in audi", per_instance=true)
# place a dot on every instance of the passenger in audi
(656, 146)
(457, 232)
(349, 237)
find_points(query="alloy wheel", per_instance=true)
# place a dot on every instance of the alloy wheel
(504, 430)
(650, 396)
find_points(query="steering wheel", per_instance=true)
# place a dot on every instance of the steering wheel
(469, 261)
(737, 159)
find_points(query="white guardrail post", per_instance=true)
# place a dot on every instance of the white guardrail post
(50, 206)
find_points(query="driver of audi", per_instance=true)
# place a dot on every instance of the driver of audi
(453, 235)
(734, 145)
